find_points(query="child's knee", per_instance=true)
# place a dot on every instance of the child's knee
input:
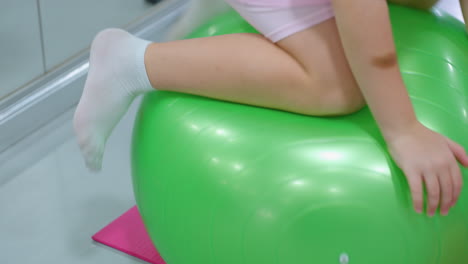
(343, 103)
(329, 100)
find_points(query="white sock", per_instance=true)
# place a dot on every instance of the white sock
(117, 74)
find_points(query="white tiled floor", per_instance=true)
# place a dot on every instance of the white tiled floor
(50, 210)
(51, 206)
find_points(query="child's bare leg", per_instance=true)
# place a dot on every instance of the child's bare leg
(305, 73)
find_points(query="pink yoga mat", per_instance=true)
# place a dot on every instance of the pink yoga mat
(128, 234)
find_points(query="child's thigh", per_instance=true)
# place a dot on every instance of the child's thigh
(319, 50)
(306, 30)
(420, 4)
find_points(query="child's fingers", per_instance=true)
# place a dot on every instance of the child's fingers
(415, 184)
(446, 189)
(458, 151)
(433, 192)
(457, 182)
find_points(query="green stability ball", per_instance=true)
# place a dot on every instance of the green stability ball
(225, 183)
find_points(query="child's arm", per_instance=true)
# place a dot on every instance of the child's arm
(464, 7)
(423, 155)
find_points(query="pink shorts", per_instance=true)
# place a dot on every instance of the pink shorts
(278, 19)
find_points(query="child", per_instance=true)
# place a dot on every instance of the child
(317, 57)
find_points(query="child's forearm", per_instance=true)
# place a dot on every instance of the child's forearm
(367, 37)
(464, 7)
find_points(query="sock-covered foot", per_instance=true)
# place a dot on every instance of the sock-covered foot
(116, 76)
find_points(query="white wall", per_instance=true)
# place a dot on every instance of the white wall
(20, 44)
(38, 35)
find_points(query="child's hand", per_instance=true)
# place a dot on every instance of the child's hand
(429, 157)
